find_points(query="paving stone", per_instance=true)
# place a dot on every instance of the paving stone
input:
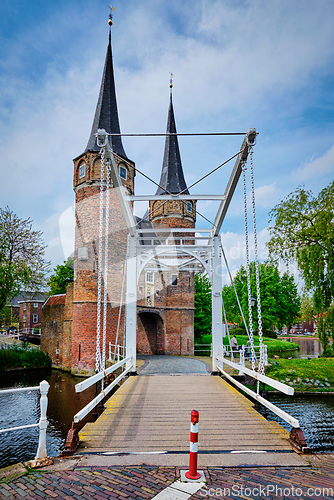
(145, 483)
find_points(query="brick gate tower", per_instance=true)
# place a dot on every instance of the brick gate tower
(166, 313)
(87, 175)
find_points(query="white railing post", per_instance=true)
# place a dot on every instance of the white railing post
(131, 304)
(109, 351)
(41, 456)
(242, 359)
(217, 314)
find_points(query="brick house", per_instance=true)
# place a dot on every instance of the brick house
(165, 315)
(30, 310)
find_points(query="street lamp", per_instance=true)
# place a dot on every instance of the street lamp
(252, 301)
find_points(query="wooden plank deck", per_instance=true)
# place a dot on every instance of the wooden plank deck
(151, 414)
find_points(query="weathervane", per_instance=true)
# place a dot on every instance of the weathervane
(171, 82)
(110, 15)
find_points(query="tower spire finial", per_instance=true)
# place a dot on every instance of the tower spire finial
(171, 83)
(110, 17)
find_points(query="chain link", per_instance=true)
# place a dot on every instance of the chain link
(250, 314)
(106, 244)
(98, 361)
(258, 296)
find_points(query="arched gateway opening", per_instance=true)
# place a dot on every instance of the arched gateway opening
(150, 333)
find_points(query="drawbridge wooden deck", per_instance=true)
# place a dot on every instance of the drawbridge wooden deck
(148, 421)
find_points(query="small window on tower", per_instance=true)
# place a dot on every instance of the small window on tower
(174, 280)
(82, 170)
(189, 206)
(149, 277)
(122, 172)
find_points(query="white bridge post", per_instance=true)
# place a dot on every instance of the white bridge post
(41, 455)
(217, 326)
(131, 303)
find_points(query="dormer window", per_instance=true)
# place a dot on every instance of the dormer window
(189, 206)
(82, 170)
(122, 172)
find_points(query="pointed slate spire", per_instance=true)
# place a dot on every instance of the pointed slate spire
(106, 114)
(172, 178)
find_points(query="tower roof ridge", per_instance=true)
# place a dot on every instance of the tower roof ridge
(106, 113)
(172, 177)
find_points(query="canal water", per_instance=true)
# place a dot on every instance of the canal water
(309, 348)
(315, 414)
(22, 408)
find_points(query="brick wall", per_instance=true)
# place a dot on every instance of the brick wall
(56, 328)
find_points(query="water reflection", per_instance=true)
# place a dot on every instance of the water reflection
(22, 408)
(309, 348)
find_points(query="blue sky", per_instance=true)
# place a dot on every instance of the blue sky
(266, 64)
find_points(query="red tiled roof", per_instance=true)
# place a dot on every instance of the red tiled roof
(55, 300)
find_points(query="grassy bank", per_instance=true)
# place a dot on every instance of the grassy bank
(307, 375)
(19, 356)
(274, 345)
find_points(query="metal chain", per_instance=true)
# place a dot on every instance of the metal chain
(98, 363)
(258, 297)
(106, 244)
(250, 334)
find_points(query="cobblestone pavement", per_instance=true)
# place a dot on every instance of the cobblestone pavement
(145, 482)
(158, 365)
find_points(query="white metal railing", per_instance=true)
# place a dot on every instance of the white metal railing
(43, 387)
(82, 386)
(286, 389)
(203, 350)
(118, 352)
(244, 353)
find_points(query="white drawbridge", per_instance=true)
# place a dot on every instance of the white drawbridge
(200, 250)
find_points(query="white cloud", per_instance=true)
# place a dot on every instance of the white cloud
(265, 196)
(234, 64)
(318, 167)
(235, 249)
(67, 228)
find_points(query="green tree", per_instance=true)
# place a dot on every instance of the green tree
(203, 306)
(8, 317)
(302, 230)
(308, 311)
(63, 275)
(323, 319)
(280, 302)
(22, 263)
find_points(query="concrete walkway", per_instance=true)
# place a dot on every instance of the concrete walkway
(67, 480)
(172, 365)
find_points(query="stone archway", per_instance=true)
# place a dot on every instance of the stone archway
(150, 333)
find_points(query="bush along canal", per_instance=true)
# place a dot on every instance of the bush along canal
(21, 357)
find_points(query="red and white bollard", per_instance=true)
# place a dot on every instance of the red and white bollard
(192, 472)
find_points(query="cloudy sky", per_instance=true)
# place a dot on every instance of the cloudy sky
(237, 64)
